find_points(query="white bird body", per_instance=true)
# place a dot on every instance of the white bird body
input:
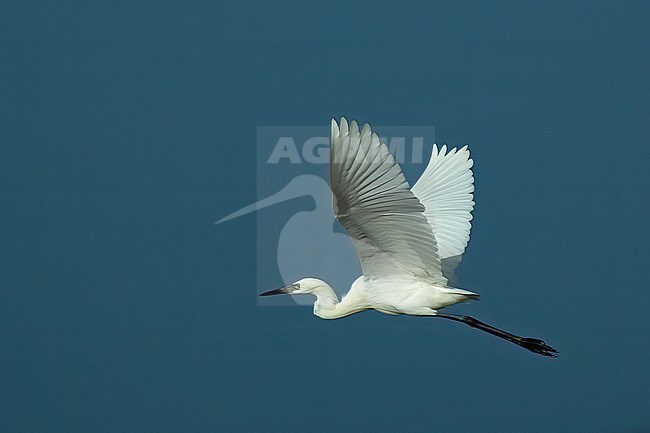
(409, 240)
(416, 298)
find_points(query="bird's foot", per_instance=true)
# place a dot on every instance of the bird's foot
(538, 346)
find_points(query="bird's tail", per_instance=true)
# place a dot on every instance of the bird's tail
(466, 293)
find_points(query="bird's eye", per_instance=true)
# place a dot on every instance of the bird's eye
(296, 286)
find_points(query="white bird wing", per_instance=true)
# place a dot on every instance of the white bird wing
(373, 202)
(446, 190)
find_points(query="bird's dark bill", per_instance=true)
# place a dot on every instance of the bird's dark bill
(281, 291)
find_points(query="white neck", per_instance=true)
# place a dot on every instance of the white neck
(326, 302)
(327, 305)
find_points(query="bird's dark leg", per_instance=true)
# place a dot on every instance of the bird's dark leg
(532, 344)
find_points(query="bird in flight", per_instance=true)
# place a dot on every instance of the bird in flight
(408, 240)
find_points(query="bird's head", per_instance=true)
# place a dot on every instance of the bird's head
(306, 286)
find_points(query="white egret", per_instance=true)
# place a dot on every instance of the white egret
(401, 234)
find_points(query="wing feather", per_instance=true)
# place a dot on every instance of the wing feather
(446, 190)
(373, 202)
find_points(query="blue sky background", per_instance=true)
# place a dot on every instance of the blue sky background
(128, 128)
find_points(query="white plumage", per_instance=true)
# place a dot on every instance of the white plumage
(446, 190)
(409, 240)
